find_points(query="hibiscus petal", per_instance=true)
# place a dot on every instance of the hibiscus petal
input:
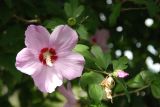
(70, 64)
(37, 37)
(67, 93)
(26, 62)
(47, 80)
(102, 36)
(63, 38)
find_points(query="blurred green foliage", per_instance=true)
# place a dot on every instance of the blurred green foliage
(142, 87)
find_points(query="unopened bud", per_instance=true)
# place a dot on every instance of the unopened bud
(71, 21)
(120, 74)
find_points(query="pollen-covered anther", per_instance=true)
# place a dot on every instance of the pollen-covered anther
(47, 56)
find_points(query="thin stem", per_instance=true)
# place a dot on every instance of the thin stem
(25, 20)
(131, 9)
(131, 92)
(100, 71)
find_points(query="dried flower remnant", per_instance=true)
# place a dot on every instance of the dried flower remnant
(108, 83)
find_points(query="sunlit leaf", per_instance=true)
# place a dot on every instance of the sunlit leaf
(89, 78)
(78, 11)
(120, 64)
(99, 56)
(82, 31)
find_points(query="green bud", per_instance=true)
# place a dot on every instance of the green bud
(71, 21)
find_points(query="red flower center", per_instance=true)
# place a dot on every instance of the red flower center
(47, 56)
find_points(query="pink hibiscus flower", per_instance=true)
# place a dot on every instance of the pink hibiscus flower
(100, 38)
(49, 58)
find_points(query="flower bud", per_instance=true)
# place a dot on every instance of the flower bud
(120, 74)
(71, 21)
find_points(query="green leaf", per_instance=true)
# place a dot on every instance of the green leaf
(78, 11)
(89, 78)
(136, 82)
(115, 13)
(155, 88)
(142, 79)
(118, 88)
(95, 92)
(82, 31)
(147, 76)
(72, 9)
(124, 85)
(74, 4)
(68, 9)
(52, 23)
(107, 59)
(83, 49)
(99, 56)
(152, 7)
(120, 64)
